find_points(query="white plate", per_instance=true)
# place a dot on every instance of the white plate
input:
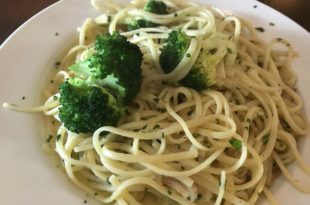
(27, 175)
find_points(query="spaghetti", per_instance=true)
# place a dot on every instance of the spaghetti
(223, 145)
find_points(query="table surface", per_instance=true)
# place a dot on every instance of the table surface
(14, 13)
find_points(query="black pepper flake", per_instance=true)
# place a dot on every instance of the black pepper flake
(56, 34)
(169, 192)
(52, 81)
(85, 201)
(188, 55)
(95, 193)
(58, 137)
(23, 98)
(175, 14)
(55, 98)
(255, 6)
(279, 39)
(260, 29)
(199, 196)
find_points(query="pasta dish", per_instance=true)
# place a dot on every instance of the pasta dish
(212, 115)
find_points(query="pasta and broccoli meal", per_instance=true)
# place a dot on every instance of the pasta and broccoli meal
(172, 102)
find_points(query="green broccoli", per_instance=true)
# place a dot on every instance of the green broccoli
(174, 50)
(140, 23)
(152, 6)
(115, 65)
(202, 74)
(86, 107)
(156, 7)
(102, 85)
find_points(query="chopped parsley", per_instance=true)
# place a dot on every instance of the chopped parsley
(49, 138)
(188, 55)
(237, 144)
(57, 64)
(175, 14)
(265, 139)
(156, 99)
(229, 50)
(260, 29)
(213, 51)
(271, 24)
(108, 181)
(162, 135)
(157, 126)
(58, 137)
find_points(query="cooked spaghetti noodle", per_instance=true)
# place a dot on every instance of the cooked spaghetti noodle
(223, 145)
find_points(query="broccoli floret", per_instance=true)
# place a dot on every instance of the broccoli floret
(140, 23)
(156, 7)
(152, 6)
(174, 50)
(202, 74)
(115, 65)
(86, 107)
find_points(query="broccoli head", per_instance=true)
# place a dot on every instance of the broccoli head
(202, 74)
(156, 7)
(115, 65)
(152, 6)
(174, 50)
(140, 23)
(85, 107)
